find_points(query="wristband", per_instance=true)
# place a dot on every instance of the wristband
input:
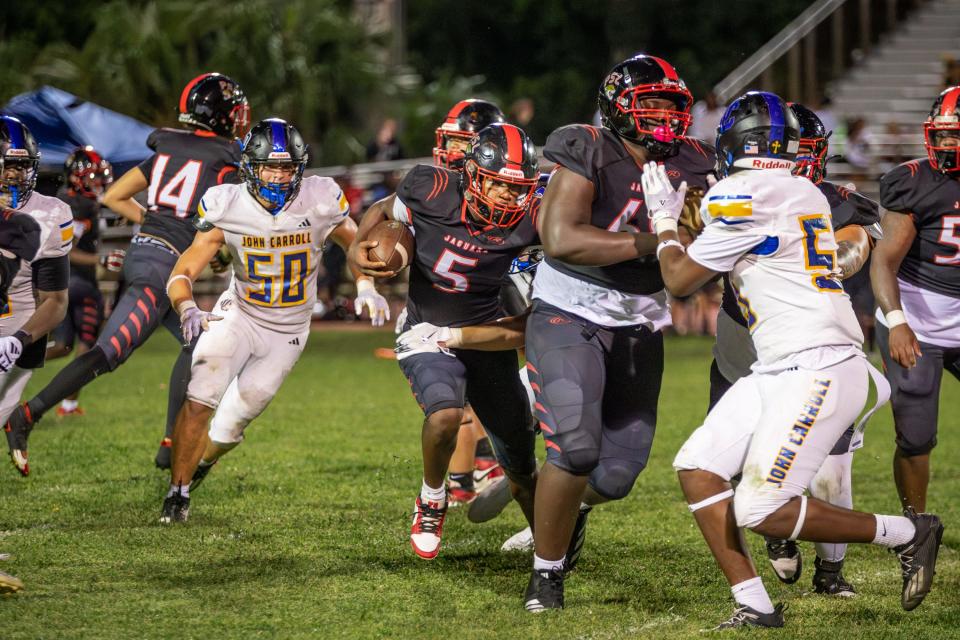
(24, 337)
(665, 224)
(364, 285)
(669, 243)
(895, 317)
(185, 306)
(179, 277)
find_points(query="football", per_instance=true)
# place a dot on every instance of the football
(395, 246)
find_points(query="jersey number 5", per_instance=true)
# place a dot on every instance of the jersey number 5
(444, 268)
(822, 263)
(178, 192)
(950, 235)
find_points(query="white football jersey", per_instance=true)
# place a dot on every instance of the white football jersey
(275, 257)
(56, 239)
(773, 232)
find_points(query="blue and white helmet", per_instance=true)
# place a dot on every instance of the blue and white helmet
(18, 149)
(273, 142)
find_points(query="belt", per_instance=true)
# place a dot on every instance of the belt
(153, 241)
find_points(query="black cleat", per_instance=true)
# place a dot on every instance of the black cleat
(577, 539)
(544, 591)
(176, 508)
(918, 559)
(18, 428)
(162, 460)
(785, 559)
(828, 579)
(200, 474)
(745, 616)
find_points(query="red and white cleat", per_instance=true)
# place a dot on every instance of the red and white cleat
(485, 472)
(427, 528)
(76, 411)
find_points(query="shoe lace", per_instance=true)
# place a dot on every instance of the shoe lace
(431, 517)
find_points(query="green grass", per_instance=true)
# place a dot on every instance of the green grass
(302, 531)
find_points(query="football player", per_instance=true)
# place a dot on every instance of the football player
(599, 306)
(274, 225)
(772, 231)
(185, 163)
(86, 175)
(852, 216)
(916, 281)
(36, 300)
(469, 228)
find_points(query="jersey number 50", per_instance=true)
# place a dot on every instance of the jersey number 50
(822, 263)
(292, 278)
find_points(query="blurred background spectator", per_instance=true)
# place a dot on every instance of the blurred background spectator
(385, 146)
(706, 118)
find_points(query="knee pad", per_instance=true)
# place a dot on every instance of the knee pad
(613, 478)
(752, 507)
(573, 452)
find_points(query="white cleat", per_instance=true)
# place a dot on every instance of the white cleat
(520, 541)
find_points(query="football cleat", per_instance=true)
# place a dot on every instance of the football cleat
(577, 539)
(490, 502)
(544, 591)
(520, 541)
(744, 616)
(164, 453)
(18, 429)
(76, 411)
(457, 496)
(828, 579)
(427, 528)
(485, 472)
(176, 508)
(785, 559)
(201, 473)
(918, 559)
(9, 583)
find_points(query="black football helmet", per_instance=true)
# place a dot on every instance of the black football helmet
(812, 155)
(19, 162)
(501, 153)
(941, 132)
(757, 131)
(214, 102)
(465, 119)
(621, 99)
(276, 143)
(87, 173)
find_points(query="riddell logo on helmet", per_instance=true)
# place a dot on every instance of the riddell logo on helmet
(511, 173)
(772, 164)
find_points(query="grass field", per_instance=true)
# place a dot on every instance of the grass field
(302, 531)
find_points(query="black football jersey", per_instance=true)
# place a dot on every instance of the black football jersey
(846, 208)
(599, 156)
(932, 200)
(183, 166)
(458, 267)
(86, 228)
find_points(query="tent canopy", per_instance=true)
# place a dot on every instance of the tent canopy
(61, 122)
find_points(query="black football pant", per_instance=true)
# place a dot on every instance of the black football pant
(142, 308)
(596, 392)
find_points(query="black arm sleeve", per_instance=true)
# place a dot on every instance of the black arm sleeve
(51, 274)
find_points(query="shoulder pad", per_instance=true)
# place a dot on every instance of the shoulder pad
(901, 187)
(582, 148)
(213, 206)
(427, 190)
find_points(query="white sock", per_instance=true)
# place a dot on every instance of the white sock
(752, 594)
(182, 489)
(204, 463)
(69, 405)
(429, 494)
(539, 564)
(893, 531)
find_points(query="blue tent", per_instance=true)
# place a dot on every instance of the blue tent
(61, 122)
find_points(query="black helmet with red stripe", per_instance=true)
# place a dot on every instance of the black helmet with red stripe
(812, 155)
(941, 132)
(463, 121)
(631, 106)
(87, 173)
(214, 102)
(501, 170)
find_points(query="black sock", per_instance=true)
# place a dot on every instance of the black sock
(69, 381)
(179, 379)
(464, 480)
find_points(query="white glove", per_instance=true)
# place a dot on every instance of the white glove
(664, 203)
(194, 320)
(401, 320)
(423, 338)
(10, 350)
(113, 261)
(375, 303)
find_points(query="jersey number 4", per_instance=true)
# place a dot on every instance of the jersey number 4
(444, 269)
(177, 193)
(822, 263)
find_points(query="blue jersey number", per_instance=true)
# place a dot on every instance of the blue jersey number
(292, 278)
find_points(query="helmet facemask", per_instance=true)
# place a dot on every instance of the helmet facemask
(659, 130)
(274, 195)
(942, 138)
(494, 210)
(811, 160)
(18, 177)
(443, 156)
